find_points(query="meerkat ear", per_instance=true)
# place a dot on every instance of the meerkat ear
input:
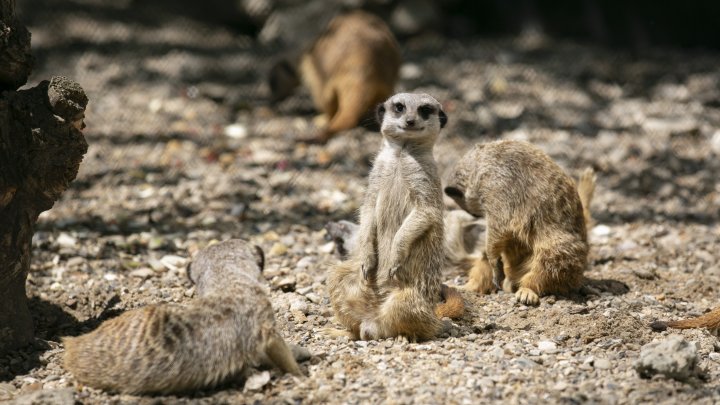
(380, 113)
(443, 118)
(259, 257)
(190, 275)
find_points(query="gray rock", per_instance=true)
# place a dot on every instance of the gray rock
(300, 353)
(673, 357)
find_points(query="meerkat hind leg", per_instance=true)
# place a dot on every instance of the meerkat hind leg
(405, 312)
(480, 277)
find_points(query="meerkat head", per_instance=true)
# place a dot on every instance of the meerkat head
(282, 80)
(234, 255)
(407, 116)
(461, 184)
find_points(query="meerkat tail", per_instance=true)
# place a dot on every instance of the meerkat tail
(711, 320)
(281, 355)
(586, 189)
(453, 306)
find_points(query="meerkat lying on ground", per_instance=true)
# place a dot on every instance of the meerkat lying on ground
(351, 67)
(536, 236)
(391, 284)
(169, 348)
(710, 320)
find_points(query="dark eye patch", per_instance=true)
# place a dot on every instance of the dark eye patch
(426, 110)
(399, 107)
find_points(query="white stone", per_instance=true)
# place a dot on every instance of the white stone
(173, 262)
(66, 241)
(547, 346)
(236, 131)
(601, 230)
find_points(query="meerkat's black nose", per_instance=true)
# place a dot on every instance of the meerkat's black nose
(410, 122)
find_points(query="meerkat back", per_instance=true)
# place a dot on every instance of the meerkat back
(350, 68)
(170, 348)
(536, 216)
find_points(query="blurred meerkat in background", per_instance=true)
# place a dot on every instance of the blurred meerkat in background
(352, 66)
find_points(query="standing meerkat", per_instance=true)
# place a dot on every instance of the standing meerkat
(353, 65)
(391, 284)
(537, 218)
(169, 348)
(710, 320)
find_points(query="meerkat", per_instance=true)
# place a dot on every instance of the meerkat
(353, 65)
(169, 348)
(537, 218)
(390, 285)
(710, 320)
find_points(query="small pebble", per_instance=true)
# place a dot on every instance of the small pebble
(547, 346)
(66, 241)
(602, 364)
(142, 272)
(277, 249)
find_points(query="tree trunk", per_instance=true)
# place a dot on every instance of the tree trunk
(15, 59)
(41, 148)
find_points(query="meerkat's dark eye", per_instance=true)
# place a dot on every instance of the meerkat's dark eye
(426, 110)
(399, 107)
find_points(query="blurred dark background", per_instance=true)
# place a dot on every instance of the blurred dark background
(628, 24)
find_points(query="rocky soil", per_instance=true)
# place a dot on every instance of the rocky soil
(184, 150)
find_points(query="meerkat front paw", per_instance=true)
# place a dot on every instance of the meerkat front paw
(527, 296)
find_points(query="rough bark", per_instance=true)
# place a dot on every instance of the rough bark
(15, 58)
(41, 148)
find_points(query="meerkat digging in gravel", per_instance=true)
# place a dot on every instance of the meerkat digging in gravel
(537, 218)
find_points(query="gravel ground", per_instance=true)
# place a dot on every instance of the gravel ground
(184, 151)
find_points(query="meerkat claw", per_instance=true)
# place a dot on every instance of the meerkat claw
(393, 271)
(527, 296)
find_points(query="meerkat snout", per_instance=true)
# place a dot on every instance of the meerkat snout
(282, 80)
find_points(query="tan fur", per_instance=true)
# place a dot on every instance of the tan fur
(391, 285)
(169, 348)
(453, 305)
(352, 66)
(710, 320)
(536, 220)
